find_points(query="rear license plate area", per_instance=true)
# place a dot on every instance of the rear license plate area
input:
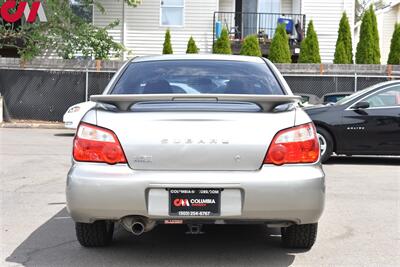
(194, 202)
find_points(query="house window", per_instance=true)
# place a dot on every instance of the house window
(82, 10)
(172, 12)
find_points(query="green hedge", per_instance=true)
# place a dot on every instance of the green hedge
(344, 45)
(368, 45)
(279, 51)
(394, 55)
(222, 45)
(250, 46)
(309, 50)
(167, 47)
(191, 47)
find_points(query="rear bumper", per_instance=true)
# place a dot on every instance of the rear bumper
(293, 193)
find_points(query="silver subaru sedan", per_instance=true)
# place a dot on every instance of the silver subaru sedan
(195, 140)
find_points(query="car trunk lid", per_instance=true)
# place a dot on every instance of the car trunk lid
(195, 140)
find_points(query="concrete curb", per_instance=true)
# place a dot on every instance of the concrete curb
(32, 125)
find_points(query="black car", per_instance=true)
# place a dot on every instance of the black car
(334, 97)
(310, 99)
(364, 123)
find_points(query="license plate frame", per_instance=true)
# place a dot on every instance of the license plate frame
(194, 202)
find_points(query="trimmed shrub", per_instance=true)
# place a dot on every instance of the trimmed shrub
(394, 55)
(344, 45)
(309, 49)
(167, 47)
(222, 45)
(364, 53)
(251, 46)
(368, 46)
(279, 51)
(191, 47)
(340, 54)
(375, 37)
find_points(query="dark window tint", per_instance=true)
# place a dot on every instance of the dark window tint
(197, 77)
(333, 98)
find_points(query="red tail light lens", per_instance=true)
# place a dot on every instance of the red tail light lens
(294, 145)
(96, 144)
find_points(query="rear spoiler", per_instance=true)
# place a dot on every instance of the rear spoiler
(266, 102)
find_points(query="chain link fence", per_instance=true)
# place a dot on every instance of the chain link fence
(97, 82)
(32, 94)
(320, 85)
(46, 95)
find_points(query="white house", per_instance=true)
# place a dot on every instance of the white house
(386, 19)
(142, 28)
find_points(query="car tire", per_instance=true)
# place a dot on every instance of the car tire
(97, 234)
(299, 236)
(326, 143)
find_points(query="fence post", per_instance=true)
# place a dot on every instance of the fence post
(87, 85)
(355, 78)
(1, 109)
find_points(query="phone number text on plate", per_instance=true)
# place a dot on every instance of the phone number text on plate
(194, 213)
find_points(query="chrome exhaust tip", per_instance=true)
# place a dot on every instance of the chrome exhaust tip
(137, 225)
(137, 228)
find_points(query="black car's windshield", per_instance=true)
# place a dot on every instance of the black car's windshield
(197, 77)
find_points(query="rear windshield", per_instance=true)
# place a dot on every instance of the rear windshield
(197, 77)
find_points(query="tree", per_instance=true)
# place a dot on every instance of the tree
(279, 51)
(362, 5)
(133, 3)
(367, 47)
(359, 8)
(344, 45)
(394, 54)
(309, 49)
(191, 47)
(375, 37)
(364, 50)
(167, 47)
(340, 54)
(251, 46)
(99, 44)
(222, 45)
(64, 32)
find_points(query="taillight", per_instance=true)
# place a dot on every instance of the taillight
(294, 145)
(96, 144)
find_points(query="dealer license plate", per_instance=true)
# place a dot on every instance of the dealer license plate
(194, 202)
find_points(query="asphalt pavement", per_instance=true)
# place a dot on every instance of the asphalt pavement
(360, 225)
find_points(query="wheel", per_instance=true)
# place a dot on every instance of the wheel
(97, 234)
(299, 236)
(326, 143)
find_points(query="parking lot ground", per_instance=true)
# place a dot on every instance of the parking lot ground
(360, 225)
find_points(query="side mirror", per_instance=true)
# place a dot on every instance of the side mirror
(361, 105)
